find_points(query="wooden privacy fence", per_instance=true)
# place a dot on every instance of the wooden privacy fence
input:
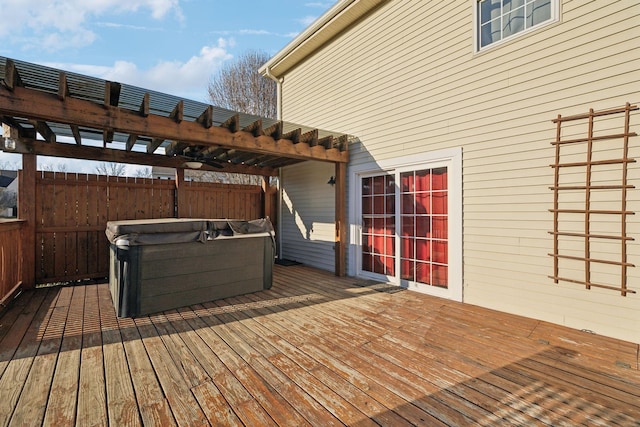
(72, 211)
(208, 200)
(10, 258)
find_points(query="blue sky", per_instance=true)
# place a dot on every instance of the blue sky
(169, 45)
(172, 46)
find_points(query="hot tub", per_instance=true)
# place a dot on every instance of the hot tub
(162, 264)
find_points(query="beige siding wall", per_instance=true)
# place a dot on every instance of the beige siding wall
(406, 80)
(308, 213)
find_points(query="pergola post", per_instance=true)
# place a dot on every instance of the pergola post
(181, 199)
(27, 212)
(267, 202)
(341, 219)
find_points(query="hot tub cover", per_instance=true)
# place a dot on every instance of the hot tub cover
(181, 230)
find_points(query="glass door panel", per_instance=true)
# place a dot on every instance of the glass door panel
(424, 223)
(378, 225)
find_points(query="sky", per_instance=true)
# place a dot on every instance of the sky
(172, 46)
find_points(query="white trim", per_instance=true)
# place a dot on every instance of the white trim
(452, 156)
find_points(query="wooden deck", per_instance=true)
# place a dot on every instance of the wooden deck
(315, 350)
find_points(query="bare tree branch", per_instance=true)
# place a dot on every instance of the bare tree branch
(59, 167)
(7, 165)
(8, 199)
(238, 86)
(143, 172)
(111, 169)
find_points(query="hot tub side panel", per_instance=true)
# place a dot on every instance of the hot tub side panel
(182, 274)
(124, 280)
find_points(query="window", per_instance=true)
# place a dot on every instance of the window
(502, 19)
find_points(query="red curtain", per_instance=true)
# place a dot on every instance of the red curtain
(378, 237)
(424, 226)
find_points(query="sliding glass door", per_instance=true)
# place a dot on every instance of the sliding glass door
(405, 227)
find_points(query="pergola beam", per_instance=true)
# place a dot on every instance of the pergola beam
(12, 78)
(63, 87)
(154, 144)
(75, 130)
(38, 105)
(43, 129)
(73, 151)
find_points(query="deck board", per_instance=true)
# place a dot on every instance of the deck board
(92, 405)
(313, 350)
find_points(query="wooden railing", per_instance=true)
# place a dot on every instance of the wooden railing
(10, 259)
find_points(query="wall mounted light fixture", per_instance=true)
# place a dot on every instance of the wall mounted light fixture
(9, 144)
(193, 165)
(332, 181)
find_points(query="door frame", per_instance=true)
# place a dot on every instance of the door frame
(453, 159)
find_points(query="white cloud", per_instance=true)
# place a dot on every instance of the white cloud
(307, 20)
(129, 27)
(250, 32)
(60, 24)
(319, 4)
(186, 79)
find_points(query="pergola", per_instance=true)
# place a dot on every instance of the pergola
(46, 111)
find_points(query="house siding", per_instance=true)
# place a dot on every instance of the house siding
(307, 214)
(407, 80)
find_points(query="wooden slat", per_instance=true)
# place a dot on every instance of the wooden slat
(178, 112)
(254, 128)
(92, 402)
(16, 373)
(63, 398)
(10, 259)
(63, 87)
(623, 202)
(154, 144)
(232, 123)
(144, 105)
(30, 408)
(18, 318)
(11, 76)
(27, 199)
(121, 408)
(594, 138)
(44, 130)
(75, 130)
(131, 140)
(69, 247)
(154, 408)
(206, 118)
(594, 162)
(596, 260)
(596, 114)
(175, 388)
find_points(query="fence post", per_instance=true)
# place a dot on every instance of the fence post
(180, 203)
(27, 212)
(266, 198)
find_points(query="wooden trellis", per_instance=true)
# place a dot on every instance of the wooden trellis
(589, 188)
